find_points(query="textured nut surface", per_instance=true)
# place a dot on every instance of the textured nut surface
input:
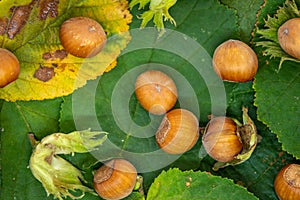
(289, 37)
(82, 37)
(220, 139)
(178, 131)
(9, 67)
(115, 179)
(235, 61)
(287, 182)
(156, 91)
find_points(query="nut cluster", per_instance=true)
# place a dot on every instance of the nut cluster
(177, 133)
(157, 93)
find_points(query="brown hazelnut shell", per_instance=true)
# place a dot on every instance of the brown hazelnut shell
(235, 61)
(82, 37)
(289, 37)
(9, 67)
(220, 139)
(156, 91)
(115, 179)
(287, 182)
(178, 131)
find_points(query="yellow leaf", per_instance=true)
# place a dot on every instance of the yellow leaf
(47, 71)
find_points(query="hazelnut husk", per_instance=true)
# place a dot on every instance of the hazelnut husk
(221, 140)
(228, 141)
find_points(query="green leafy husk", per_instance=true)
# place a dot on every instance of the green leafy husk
(158, 11)
(248, 136)
(57, 175)
(269, 40)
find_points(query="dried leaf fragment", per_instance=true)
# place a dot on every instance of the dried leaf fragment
(58, 54)
(3, 25)
(44, 73)
(18, 19)
(48, 8)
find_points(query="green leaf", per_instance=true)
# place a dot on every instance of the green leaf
(277, 92)
(277, 100)
(135, 196)
(247, 13)
(37, 45)
(17, 120)
(175, 184)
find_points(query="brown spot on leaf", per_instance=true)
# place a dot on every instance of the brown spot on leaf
(58, 54)
(3, 25)
(19, 18)
(48, 8)
(44, 73)
(61, 54)
(47, 56)
(48, 159)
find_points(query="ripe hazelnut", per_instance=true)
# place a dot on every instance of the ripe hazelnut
(287, 182)
(289, 37)
(178, 131)
(235, 61)
(82, 37)
(115, 179)
(220, 139)
(9, 67)
(156, 91)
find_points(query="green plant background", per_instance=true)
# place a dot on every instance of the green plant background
(210, 22)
